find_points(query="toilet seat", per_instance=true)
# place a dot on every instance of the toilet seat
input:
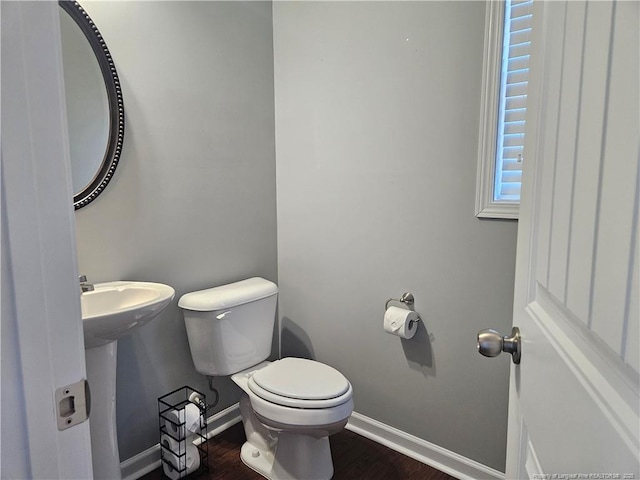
(300, 412)
(276, 415)
(300, 383)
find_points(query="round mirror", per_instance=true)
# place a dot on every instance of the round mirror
(95, 109)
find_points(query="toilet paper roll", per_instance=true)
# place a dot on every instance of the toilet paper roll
(170, 443)
(189, 418)
(400, 322)
(177, 465)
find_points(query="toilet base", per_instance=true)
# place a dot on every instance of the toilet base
(259, 460)
(282, 451)
(297, 457)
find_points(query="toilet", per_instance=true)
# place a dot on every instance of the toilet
(289, 407)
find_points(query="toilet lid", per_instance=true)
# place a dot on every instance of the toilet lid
(299, 380)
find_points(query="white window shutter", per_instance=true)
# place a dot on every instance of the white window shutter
(513, 99)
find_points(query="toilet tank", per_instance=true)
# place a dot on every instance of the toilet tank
(230, 327)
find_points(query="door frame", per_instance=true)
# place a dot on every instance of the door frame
(39, 223)
(526, 225)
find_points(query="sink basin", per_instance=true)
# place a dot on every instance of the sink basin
(113, 309)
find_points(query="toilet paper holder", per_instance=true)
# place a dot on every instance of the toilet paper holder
(411, 317)
(174, 428)
(407, 299)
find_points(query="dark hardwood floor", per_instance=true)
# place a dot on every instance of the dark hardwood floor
(354, 458)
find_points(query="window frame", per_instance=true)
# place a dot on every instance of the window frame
(486, 206)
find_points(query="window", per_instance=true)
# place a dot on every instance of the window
(503, 108)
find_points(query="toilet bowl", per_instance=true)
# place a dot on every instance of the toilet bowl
(299, 403)
(289, 407)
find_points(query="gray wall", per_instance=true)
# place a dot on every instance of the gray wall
(192, 203)
(377, 111)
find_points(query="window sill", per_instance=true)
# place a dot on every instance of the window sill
(499, 210)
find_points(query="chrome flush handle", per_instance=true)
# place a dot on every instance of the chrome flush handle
(85, 286)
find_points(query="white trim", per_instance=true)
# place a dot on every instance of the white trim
(148, 460)
(425, 452)
(527, 238)
(485, 205)
(493, 209)
(532, 466)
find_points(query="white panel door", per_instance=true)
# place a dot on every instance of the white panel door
(574, 398)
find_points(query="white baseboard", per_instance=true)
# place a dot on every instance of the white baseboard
(147, 461)
(444, 460)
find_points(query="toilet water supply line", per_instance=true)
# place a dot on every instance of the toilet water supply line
(197, 399)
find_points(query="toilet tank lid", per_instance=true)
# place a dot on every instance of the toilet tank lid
(228, 296)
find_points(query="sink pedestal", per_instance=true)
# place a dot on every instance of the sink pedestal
(110, 311)
(101, 374)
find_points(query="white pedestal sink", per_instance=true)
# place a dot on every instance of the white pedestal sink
(110, 311)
